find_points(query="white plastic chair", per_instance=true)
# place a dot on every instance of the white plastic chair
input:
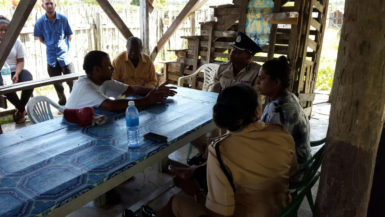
(208, 70)
(39, 109)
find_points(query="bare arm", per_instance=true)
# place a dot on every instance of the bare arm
(41, 40)
(19, 68)
(137, 90)
(152, 96)
(69, 37)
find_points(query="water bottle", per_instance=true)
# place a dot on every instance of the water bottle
(132, 123)
(6, 74)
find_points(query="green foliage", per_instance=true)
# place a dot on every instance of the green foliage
(135, 2)
(89, 2)
(326, 73)
(161, 3)
(328, 58)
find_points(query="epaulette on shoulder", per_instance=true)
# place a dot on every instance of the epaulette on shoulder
(218, 139)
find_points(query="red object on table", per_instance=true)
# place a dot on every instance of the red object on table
(82, 117)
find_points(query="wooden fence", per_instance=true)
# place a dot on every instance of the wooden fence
(93, 30)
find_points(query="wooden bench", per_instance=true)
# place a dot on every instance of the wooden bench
(32, 84)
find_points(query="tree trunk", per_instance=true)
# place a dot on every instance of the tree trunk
(356, 115)
(377, 196)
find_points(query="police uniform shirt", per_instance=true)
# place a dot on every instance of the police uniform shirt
(225, 76)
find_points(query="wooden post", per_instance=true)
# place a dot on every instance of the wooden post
(192, 22)
(115, 18)
(273, 32)
(98, 32)
(357, 112)
(22, 12)
(210, 48)
(243, 13)
(190, 6)
(144, 26)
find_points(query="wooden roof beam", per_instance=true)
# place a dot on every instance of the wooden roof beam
(190, 7)
(22, 12)
(115, 18)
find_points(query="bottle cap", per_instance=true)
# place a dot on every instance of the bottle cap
(131, 103)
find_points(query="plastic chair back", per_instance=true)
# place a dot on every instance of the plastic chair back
(208, 71)
(39, 109)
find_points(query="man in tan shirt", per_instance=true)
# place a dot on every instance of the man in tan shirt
(132, 67)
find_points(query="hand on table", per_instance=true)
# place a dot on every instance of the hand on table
(160, 94)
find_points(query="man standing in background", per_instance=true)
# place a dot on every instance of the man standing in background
(53, 30)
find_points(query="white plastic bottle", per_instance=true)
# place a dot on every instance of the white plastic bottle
(132, 123)
(6, 74)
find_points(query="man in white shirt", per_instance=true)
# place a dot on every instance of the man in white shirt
(97, 89)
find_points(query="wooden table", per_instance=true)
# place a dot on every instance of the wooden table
(53, 168)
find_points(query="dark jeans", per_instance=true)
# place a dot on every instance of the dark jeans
(25, 75)
(57, 71)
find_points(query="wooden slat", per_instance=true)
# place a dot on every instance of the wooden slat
(220, 34)
(273, 32)
(307, 111)
(32, 84)
(287, 9)
(209, 44)
(191, 37)
(306, 97)
(283, 31)
(174, 67)
(217, 44)
(195, 56)
(315, 24)
(21, 14)
(259, 59)
(282, 41)
(278, 49)
(3, 101)
(115, 18)
(282, 18)
(318, 6)
(188, 8)
(312, 44)
(227, 11)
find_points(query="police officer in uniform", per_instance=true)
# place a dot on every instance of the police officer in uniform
(240, 68)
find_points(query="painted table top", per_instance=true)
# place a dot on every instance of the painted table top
(46, 165)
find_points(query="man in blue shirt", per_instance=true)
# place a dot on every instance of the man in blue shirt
(53, 30)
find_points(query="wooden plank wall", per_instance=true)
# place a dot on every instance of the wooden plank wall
(301, 43)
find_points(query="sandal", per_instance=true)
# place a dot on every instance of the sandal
(148, 211)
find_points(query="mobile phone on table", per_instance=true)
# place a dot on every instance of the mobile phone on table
(155, 137)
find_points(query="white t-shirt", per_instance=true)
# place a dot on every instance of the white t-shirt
(17, 52)
(87, 93)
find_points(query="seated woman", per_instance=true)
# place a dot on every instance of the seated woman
(284, 108)
(248, 169)
(15, 60)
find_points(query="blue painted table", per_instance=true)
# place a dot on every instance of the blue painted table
(53, 168)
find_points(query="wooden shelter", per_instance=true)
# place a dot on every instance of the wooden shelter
(301, 42)
(358, 104)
